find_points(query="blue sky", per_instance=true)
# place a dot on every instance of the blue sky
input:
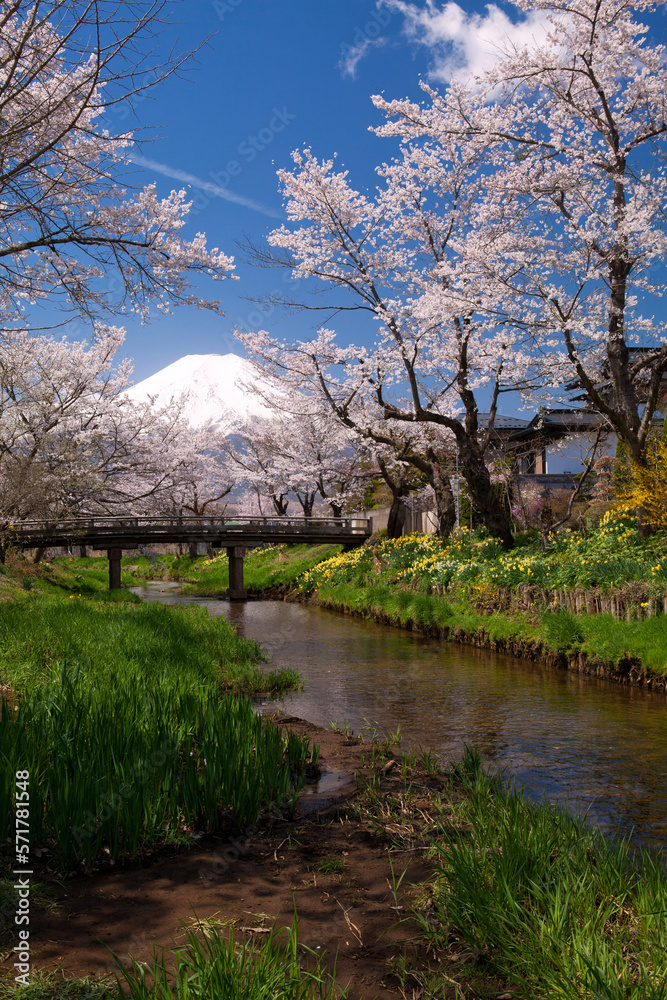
(271, 78)
(276, 75)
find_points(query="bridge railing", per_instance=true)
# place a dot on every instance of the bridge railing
(353, 525)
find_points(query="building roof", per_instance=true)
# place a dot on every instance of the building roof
(502, 422)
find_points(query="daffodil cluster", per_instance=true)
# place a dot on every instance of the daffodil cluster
(608, 557)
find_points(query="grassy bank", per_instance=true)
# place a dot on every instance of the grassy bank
(119, 713)
(265, 569)
(557, 910)
(469, 587)
(519, 894)
(513, 899)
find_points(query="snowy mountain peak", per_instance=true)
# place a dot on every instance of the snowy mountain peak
(213, 384)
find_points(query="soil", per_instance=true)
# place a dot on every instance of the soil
(353, 918)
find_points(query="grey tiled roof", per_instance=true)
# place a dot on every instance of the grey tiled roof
(503, 423)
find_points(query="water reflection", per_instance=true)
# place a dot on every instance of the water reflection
(599, 746)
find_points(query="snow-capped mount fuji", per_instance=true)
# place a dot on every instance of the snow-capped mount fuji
(213, 384)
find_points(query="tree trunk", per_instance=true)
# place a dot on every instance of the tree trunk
(192, 548)
(307, 502)
(280, 504)
(400, 489)
(478, 481)
(445, 506)
(397, 514)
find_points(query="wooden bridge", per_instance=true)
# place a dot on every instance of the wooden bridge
(114, 534)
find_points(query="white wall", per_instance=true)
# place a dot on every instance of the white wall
(571, 454)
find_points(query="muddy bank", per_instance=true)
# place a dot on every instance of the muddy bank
(629, 670)
(328, 863)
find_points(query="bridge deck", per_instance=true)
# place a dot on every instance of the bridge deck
(130, 532)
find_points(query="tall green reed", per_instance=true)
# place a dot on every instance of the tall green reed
(214, 967)
(551, 905)
(125, 751)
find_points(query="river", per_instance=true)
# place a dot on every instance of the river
(599, 747)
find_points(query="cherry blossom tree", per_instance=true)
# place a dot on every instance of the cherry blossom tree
(300, 455)
(197, 474)
(410, 257)
(254, 453)
(343, 378)
(575, 129)
(71, 442)
(71, 233)
(325, 458)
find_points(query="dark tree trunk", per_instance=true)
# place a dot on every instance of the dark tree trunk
(307, 501)
(400, 489)
(280, 504)
(478, 480)
(397, 514)
(445, 506)
(192, 548)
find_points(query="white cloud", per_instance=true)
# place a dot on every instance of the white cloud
(207, 186)
(466, 45)
(353, 54)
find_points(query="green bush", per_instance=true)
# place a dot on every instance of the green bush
(214, 967)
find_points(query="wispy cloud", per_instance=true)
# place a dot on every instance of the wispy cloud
(367, 36)
(197, 182)
(465, 45)
(353, 54)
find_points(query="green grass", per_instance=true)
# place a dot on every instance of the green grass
(121, 720)
(107, 636)
(53, 986)
(209, 967)
(215, 968)
(609, 640)
(331, 866)
(426, 612)
(543, 901)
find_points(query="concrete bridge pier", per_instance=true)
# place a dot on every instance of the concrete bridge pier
(115, 555)
(236, 591)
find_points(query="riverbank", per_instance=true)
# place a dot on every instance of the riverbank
(593, 605)
(402, 879)
(618, 657)
(551, 608)
(341, 858)
(122, 714)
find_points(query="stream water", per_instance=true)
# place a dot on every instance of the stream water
(599, 747)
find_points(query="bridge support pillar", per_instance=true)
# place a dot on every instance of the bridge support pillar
(115, 555)
(237, 591)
